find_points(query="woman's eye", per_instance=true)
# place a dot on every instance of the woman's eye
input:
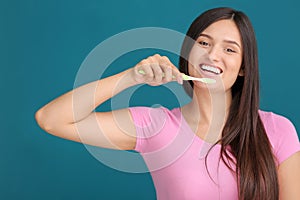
(203, 43)
(230, 50)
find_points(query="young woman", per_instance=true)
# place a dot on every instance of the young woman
(252, 154)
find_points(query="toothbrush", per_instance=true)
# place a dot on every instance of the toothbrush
(190, 78)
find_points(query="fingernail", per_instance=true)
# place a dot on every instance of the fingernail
(179, 80)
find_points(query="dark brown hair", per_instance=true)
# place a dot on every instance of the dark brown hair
(243, 132)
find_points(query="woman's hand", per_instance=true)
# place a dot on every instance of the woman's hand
(157, 69)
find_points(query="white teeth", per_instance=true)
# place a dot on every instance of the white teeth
(211, 69)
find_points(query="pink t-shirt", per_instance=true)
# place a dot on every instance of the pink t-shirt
(175, 156)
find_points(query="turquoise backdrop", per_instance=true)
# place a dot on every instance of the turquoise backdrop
(42, 46)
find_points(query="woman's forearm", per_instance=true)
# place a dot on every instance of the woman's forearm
(79, 103)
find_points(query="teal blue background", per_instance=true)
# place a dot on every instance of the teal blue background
(42, 45)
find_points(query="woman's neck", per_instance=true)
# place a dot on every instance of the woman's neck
(207, 113)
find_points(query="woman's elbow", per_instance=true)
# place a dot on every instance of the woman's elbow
(42, 121)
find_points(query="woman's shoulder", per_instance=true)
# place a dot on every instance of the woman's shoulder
(282, 134)
(153, 114)
(155, 126)
(154, 110)
(275, 122)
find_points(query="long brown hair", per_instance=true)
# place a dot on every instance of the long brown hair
(243, 132)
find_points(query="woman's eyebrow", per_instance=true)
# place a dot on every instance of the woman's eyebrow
(232, 42)
(205, 35)
(227, 41)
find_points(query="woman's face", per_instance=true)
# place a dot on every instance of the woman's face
(217, 54)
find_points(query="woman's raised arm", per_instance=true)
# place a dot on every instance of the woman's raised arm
(71, 116)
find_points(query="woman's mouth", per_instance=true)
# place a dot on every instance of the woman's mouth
(210, 69)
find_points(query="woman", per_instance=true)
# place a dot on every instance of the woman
(255, 154)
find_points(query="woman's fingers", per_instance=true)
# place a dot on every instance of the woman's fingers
(157, 70)
(168, 73)
(172, 73)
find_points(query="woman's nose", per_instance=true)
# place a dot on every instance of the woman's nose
(214, 54)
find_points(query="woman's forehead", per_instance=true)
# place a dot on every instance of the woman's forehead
(226, 30)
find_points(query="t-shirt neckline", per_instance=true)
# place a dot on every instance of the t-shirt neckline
(185, 123)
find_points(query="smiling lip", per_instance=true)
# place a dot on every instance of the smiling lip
(210, 73)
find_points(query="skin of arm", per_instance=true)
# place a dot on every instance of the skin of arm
(289, 176)
(71, 116)
(79, 123)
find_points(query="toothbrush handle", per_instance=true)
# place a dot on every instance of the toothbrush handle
(187, 78)
(184, 77)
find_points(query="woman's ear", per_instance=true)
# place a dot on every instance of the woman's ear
(241, 72)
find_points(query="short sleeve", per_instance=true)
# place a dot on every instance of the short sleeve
(287, 139)
(148, 123)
